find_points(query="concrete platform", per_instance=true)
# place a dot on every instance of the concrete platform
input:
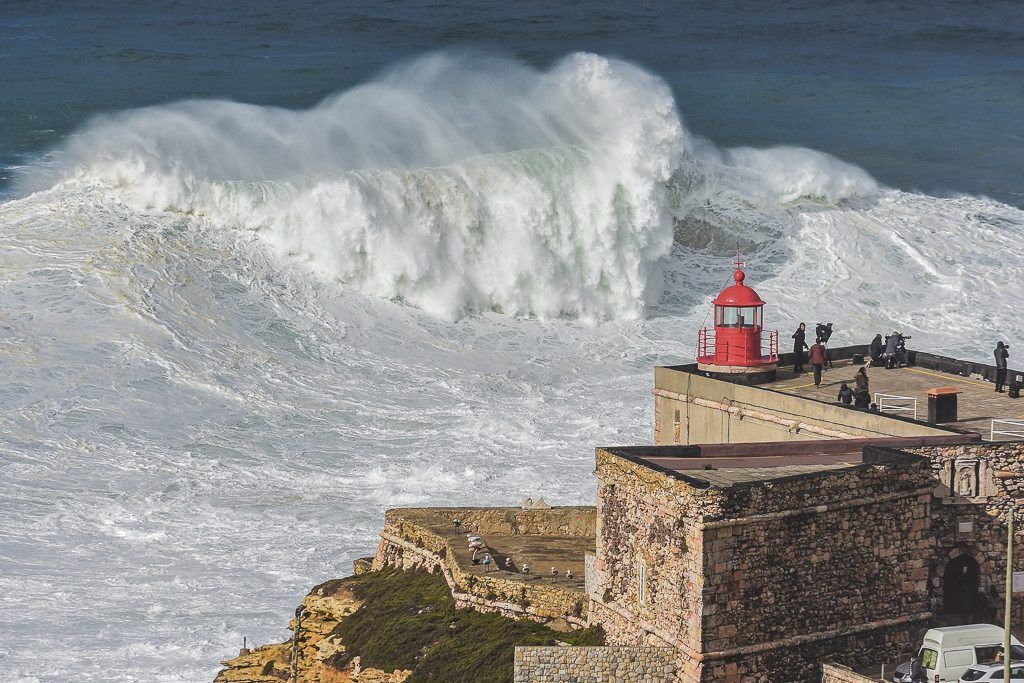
(728, 471)
(978, 403)
(539, 551)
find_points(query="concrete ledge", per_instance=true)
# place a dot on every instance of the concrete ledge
(837, 673)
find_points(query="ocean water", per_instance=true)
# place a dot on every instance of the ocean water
(267, 271)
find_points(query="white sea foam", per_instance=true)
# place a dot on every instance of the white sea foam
(207, 408)
(455, 184)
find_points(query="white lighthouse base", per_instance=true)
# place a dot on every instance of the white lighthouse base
(742, 374)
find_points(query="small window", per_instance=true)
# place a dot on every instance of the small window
(732, 316)
(929, 658)
(675, 428)
(973, 675)
(986, 653)
(641, 582)
(958, 657)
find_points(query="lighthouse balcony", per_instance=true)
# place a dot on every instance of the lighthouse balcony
(742, 349)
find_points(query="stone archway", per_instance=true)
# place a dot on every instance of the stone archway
(960, 587)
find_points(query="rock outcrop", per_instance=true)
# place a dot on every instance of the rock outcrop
(320, 656)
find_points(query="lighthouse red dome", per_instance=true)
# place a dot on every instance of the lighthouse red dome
(739, 320)
(738, 294)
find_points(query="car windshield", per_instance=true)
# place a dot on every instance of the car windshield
(973, 675)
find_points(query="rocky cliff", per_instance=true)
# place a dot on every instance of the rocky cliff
(392, 626)
(321, 656)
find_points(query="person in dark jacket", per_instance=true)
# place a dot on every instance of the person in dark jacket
(845, 394)
(918, 674)
(799, 344)
(818, 358)
(1002, 353)
(875, 350)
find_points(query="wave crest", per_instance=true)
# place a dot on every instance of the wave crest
(459, 183)
(452, 183)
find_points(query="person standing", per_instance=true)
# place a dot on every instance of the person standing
(875, 350)
(824, 332)
(1002, 353)
(799, 344)
(818, 358)
(862, 394)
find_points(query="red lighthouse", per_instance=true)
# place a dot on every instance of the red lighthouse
(735, 352)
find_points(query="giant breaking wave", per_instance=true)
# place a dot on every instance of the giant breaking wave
(456, 183)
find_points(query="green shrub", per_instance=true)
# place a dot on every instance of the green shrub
(409, 621)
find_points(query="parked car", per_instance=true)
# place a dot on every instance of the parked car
(993, 672)
(949, 651)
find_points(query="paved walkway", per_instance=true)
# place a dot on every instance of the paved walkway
(539, 551)
(978, 402)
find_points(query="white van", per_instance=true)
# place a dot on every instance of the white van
(949, 651)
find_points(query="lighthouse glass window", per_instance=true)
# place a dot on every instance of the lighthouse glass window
(738, 316)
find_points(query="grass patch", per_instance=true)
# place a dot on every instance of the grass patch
(409, 621)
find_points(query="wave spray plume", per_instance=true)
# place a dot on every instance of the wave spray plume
(455, 183)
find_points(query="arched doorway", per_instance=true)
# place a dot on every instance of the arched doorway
(960, 587)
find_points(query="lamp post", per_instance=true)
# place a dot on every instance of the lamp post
(300, 613)
(1009, 596)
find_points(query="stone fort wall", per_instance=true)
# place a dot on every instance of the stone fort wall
(594, 664)
(649, 533)
(760, 581)
(813, 556)
(407, 543)
(975, 485)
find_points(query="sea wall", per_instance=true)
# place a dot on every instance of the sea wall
(690, 408)
(573, 664)
(408, 543)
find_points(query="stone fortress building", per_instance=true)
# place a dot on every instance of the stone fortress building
(768, 530)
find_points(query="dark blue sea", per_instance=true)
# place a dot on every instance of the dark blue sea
(923, 95)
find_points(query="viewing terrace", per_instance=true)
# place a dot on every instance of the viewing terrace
(903, 392)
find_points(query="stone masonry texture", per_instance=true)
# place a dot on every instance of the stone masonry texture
(835, 673)
(594, 664)
(757, 582)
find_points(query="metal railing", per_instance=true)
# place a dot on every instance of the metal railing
(773, 345)
(705, 346)
(891, 403)
(1011, 428)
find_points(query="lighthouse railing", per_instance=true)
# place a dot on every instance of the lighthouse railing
(773, 345)
(705, 346)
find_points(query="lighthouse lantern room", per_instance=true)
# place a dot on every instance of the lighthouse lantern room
(736, 349)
